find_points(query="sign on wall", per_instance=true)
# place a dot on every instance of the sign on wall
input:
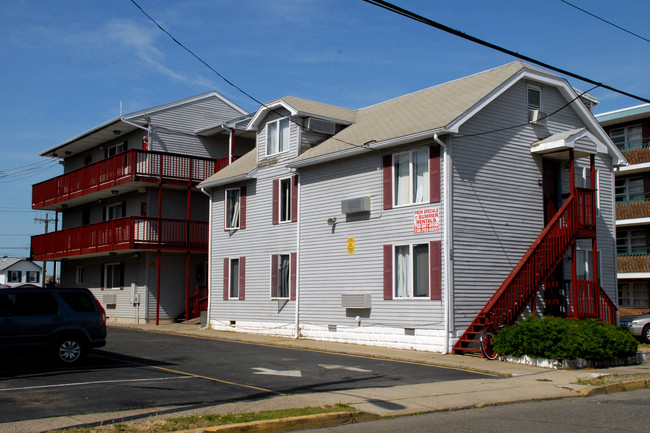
(350, 246)
(426, 220)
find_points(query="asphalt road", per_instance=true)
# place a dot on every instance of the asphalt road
(138, 369)
(607, 413)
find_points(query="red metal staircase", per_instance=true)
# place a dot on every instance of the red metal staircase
(575, 219)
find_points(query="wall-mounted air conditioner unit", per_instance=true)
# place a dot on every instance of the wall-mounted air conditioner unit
(110, 299)
(356, 300)
(537, 117)
(320, 125)
(356, 205)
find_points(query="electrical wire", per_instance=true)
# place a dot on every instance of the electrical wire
(605, 21)
(411, 15)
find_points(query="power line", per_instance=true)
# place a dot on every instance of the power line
(411, 15)
(605, 21)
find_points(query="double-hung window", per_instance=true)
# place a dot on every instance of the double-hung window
(32, 277)
(113, 277)
(534, 98)
(277, 136)
(14, 276)
(235, 206)
(631, 242)
(411, 177)
(283, 276)
(116, 210)
(633, 294)
(234, 274)
(411, 271)
(285, 200)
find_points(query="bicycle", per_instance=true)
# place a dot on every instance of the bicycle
(487, 340)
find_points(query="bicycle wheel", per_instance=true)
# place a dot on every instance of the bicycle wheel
(487, 340)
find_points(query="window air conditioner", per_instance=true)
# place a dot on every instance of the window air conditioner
(356, 205)
(356, 300)
(320, 126)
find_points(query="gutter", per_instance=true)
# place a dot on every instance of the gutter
(448, 250)
(209, 276)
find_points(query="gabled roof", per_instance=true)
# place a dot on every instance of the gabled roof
(304, 108)
(242, 169)
(125, 124)
(9, 262)
(440, 109)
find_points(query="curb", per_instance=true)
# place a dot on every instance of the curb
(288, 424)
(616, 387)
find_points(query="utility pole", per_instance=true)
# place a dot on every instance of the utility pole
(47, 220)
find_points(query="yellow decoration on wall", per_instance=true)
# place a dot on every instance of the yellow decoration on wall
(350, 248)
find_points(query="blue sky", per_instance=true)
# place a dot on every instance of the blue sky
(68, 65)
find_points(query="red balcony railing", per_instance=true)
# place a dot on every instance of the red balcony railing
(122, 234)
(589, 301)
(132, 165)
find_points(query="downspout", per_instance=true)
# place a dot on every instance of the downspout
(209, 276)
(297, 318)
(446, 227)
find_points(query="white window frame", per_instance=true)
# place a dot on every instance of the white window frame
(79, 275)
(534, 88)
(276, 142)
(279, 276)
(233, 278)
(32, 277)
(412, 179)
(284, 199)
(14, 276)
(407, 292)
(584, 267)
(106, 273)
(236, 208)
(115, 149)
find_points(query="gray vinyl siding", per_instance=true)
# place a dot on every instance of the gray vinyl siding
(497, 195)
(171, 128)
(326, 269)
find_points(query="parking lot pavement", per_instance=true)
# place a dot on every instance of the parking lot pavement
(405, 384)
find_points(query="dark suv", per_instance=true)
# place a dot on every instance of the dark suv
(68, 322)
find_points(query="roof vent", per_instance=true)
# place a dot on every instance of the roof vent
(320, 126)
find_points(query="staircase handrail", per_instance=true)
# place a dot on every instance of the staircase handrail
(561, 213)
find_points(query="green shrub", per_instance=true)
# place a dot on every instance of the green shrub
(556, 338)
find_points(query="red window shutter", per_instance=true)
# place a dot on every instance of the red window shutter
(388, 272)
(226, 206)
(388, 181)
(276, 200)
(434, 174)
(226, 265)
(293, 276)
(242, 208)
(294, 199)
(274, 276)
(435, 266)
(242, 278)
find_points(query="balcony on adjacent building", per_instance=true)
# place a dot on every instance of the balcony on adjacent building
(128, 170)
(128, 233)
(636, 151)
(633, 206)
(637, 261)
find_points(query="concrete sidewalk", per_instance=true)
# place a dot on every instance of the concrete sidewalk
(521, 383)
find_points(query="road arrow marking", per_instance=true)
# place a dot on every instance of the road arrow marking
(271, 372)
(343, 367)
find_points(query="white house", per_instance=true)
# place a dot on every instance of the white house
(418, 221)
(19, 271)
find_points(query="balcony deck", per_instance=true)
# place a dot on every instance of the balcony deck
(128, 233)
(130, 167)
(633, 263)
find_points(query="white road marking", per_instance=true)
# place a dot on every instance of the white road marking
(271, 372)
(344, 367)
(98, 382)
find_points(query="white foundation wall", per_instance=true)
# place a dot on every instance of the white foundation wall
(426, 340)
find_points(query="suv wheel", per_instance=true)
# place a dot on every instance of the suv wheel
(68, 349)
(645, 335)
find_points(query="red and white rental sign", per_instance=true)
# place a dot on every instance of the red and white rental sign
(426, 220)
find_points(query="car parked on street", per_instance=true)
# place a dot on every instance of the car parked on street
(67, 322)
(638, 325)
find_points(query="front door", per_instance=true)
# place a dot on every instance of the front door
(551, 180)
